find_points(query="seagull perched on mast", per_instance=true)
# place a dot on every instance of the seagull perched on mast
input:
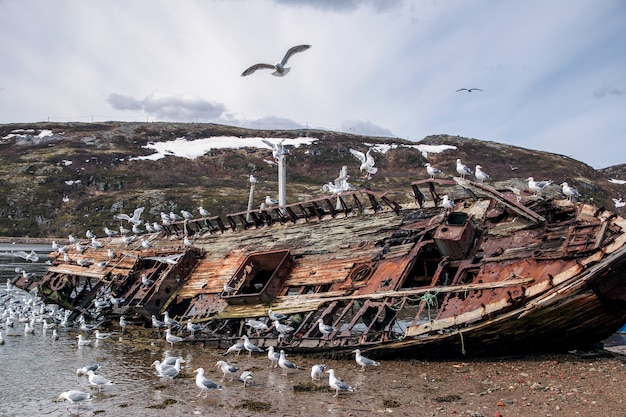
(279, 69)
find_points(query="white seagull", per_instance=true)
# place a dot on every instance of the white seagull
(279, 69)
(317, 371)
(446, 203)
(285, 363)
(325, 329)
(134, 219)
(363, 361)
(171, 338)
(337, 384)
(367, 161)
(481, 175)
(98, 380)
(249, 346)
(570, 192)
(226, 368)
(204, 383)
(537, 187)
(462, 169)
(270, 201)
(432, 171)
(203, 212)
(618, 202)
(469, 90)
(273, 356)
(75, 397)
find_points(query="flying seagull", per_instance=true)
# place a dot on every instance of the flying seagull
(279, 69)
(469, 90)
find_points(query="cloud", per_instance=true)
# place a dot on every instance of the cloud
(181, 107)
(608, 90)
(365, 127)
(344, 5)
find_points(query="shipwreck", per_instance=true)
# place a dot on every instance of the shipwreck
(499, 272)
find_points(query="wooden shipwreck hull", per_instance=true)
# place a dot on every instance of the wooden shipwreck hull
(498, 273)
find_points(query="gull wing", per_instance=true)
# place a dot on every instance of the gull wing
(294, 50)
(358, 155)
(255, 67)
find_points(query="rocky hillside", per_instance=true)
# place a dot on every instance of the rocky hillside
(60, 178)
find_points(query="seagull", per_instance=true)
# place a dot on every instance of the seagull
(246, 377)
(157, 324)
(145, 281)
(187, 241)
(317, 371)
(276, 316)
(481, 175)
(204, 383)
(446, 203)
(100, 336)
(149, 228)
(134, 219)
(168, 371)
(325, 329)
(285, 363)
(462, 169)
(82, 341)
(98, 380)
(170, 322)
(87, 368)
(187, 215)
(75, 397)
(128, 239)
(270, 201)
(618, 202)
(367, 161)
(237, 347)
(537, 187)
(109, 232)
(90, 235)
(257, 325)
(193, 327)
(337, 384)
(253, 179)
(96, 244)
(363, 361)
(570, 192)
(124, 231)
(174, 217)
(123, 323)
(171, 338)
(203, 212)
(279, 69)
(32, 256)
(249, 346)
(136, 229)
(469, 90)
(273, 356)
(282, 328)
(432, 171)
(145, 244)
(226, 368)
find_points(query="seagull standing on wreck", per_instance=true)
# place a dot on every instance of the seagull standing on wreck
(481, 175)
(537, 187)
(432, 171)
(462, 169)
(279, 68)
(570, 192)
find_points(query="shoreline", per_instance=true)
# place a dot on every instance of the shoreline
(27, 240)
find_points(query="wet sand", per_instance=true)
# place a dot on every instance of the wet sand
(546, 385)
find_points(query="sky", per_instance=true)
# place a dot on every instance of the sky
(553, 72)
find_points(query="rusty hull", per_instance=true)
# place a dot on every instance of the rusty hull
(498, 273)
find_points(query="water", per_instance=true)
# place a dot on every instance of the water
(9, 261)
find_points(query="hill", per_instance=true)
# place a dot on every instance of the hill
(61, 178)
